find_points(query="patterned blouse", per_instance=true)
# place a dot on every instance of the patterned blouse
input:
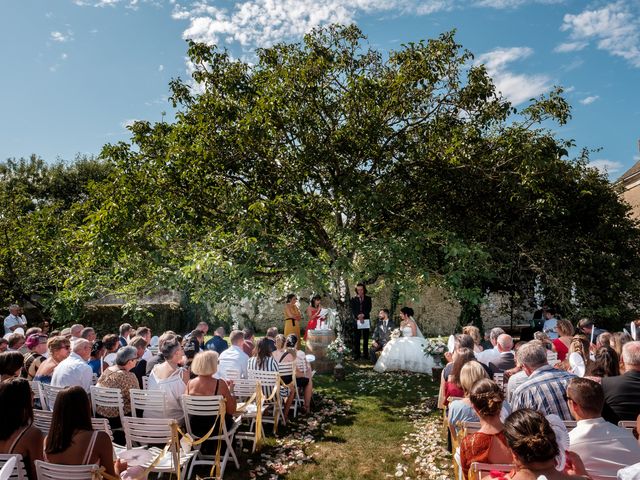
(117, 379)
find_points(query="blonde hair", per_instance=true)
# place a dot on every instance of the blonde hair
(280, 341)
(56, 343)
(473, 332)
(470, 374)
(565, 328)
(205, 363)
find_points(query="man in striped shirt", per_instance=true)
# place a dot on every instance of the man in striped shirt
(546, 388)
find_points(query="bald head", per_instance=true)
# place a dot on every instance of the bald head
(82, 347)
(631, 355)
(76, 330)
(505, 343)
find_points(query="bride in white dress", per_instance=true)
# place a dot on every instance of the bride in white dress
(405, 352)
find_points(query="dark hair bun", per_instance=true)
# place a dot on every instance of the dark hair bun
(530, 436)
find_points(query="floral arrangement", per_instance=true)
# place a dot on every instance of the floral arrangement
(395, 333)
(337, 350)
(435, 348)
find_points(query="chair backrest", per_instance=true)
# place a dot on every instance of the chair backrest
(50, 394)
(208, 406)
(107, 397)
(628, 424)
(231, 373)
(149, 400)
(570, 424)
(479, 470)
(42, 420)
(470, 427)
(18, 470)
(552, 358)
(244, 388)
(51, 471)
(102, 425)
(37, 390)
(147, 431)
(266, 378)
(286, 369)
(499, 379)
(145, 382)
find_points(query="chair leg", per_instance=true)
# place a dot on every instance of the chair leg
(232, 452)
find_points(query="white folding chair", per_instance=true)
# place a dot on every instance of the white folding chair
(143, 433)
(627, 424)
(270, 382)
(148, 400)
(14, 463)
(50, 393)
(42, 420)
(102, 425)
(145, 382)
(107, 398)
(37, 392)
(52, 471)
(243, 390)
(499, 379)
(209, 406)
(232, 374)
(470, 427)
(552, 358)
(288, 369)
(480, 470)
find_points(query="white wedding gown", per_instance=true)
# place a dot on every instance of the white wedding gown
(405, 353)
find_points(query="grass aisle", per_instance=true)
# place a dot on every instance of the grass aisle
(369, 426)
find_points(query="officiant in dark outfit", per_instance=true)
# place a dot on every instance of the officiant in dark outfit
(381, 334)
(361, 311)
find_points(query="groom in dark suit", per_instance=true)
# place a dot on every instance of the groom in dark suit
(381, 334)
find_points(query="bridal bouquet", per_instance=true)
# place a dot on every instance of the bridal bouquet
(435, 348)
(337, 350)
(396, 333)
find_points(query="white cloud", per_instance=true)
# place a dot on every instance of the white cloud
(161, 68)
(62, 37)
(128, 122)
(64, 56)
(500, 4)
(265, 22)
(614, 28)
(570, 47)
(517, 88)
(606, 166)
(589, 100)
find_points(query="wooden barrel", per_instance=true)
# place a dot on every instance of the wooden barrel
(317, 343)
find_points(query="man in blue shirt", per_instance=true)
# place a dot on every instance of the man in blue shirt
(217, 342)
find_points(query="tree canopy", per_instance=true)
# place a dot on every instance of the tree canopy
(326, 162)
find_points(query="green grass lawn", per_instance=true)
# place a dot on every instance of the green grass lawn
(365, 442)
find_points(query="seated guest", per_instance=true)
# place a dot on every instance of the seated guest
(303, 375)
(605, 364)
(506, 360)
(249, 343)
(15, 341)
(171, 378)
(580, 345)
(621, 393)
(462, 410)
(233, 357)
(196, 340)
(11, 364)
(17, 432)
(533, 445)
(72, 440)
(37, 347)
(545, 386)
(492, 354)
(474, 332)
(217, 342)
(111, 346)
(461, 341)
(140, 368)
(452, 387)
(603, 447)
(74, 370)
(158, 358)
(545, 339)
(264, 361)
(604, 340)
(590, 332)
(488, 445)
(561, 344)
(125, 334)
(95, 360)
(4, 344)
(272, 332)
(119, 376)
(88, 333)
(204, 367)
(59, 348)
(76, 332)
(145, 333)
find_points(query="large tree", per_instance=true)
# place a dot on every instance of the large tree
(326, 162)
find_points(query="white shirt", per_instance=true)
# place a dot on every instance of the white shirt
(147, 355)
(488, 356)
(603, 447)
(233, 357)
(12, 321)
(515, 381)
(550, 328)
(110, 359)
(73, 371)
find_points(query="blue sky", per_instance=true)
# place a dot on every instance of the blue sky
(76, 71)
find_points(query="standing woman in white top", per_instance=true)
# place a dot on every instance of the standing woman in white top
(171, 377)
